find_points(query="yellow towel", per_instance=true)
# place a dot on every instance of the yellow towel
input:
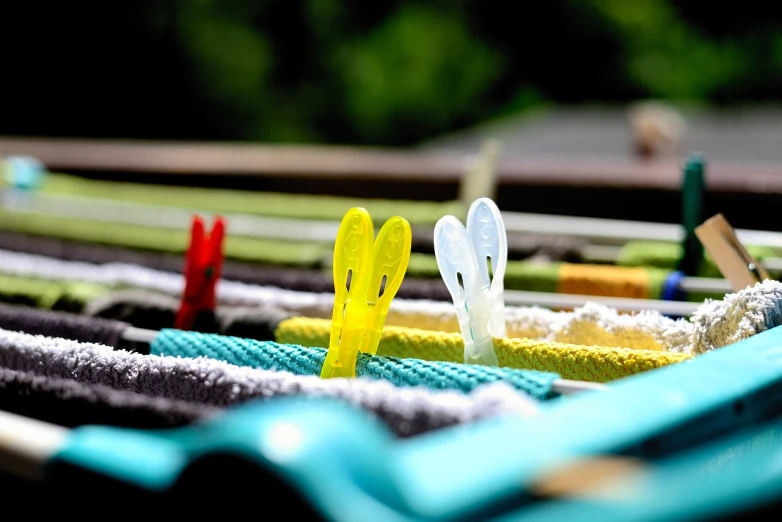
(604, 280)
(571, 361)
(591, 325)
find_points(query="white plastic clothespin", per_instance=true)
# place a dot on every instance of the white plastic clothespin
(463, 256)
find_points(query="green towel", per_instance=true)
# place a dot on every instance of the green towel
(659, 258)
(70, 296)
(264, 251)
(520, 275)
(326, 208)
(666, 255)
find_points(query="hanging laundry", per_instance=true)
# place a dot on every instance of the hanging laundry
(665, 255)
(428, 315)
(606, 281)
(592, 325)
(300, 279)
(320, 207)
(408, 411)
(273, 252)
(597, 363)
(68, 402)
(520, 275)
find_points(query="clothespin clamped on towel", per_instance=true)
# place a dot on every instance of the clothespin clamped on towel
(463, 256)
(730, 256)
(367, 275)
(203, 266)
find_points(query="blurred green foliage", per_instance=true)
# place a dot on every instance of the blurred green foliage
(388, 72)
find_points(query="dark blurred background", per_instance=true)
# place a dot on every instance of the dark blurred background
(380, 73)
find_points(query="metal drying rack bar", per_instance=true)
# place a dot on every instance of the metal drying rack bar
(145, 158)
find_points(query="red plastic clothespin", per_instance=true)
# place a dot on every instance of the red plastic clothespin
(203, 267)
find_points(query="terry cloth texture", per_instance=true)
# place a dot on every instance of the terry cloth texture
(408, 411)
(305, 361)
(71, 403)
(61, 324)
(309, 361)
(594, 363)
(739, 316)
(596, 324)
(590, 325)
(715, 323)
(571, 361)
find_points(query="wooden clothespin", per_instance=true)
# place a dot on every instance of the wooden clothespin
(203, 267)
(730, 256)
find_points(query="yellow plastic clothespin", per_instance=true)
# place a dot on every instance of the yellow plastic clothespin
(367, 274)
(734, 262)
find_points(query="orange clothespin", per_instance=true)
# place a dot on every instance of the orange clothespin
(730, 256)
(203, 266)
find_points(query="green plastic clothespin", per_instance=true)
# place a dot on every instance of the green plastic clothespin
(693, 195)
